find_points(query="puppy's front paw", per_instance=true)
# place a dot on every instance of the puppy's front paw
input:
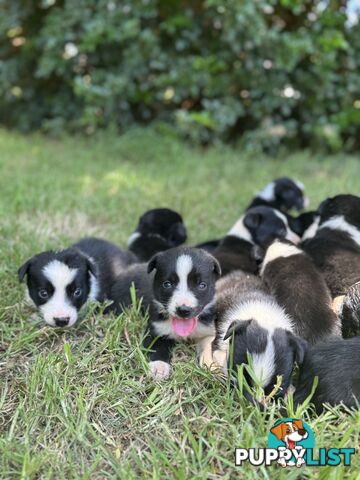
(160, 370)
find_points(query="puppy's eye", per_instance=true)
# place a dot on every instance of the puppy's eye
(166, 284)
(77, 292)
(202, 285)
(43, 293)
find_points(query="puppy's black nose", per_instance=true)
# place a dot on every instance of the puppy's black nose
(184, 311)
(61, 321)
(302, 431)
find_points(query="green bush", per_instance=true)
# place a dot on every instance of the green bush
(269, 72)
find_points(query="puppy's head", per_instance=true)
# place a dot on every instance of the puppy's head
(285, 194)
(347, 206)
(289, 194)
(164, 223)
(184, 285)
(265, 224)
(59, 284)
(273, 353)
(290, 432)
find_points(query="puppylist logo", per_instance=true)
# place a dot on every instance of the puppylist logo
(291, 443)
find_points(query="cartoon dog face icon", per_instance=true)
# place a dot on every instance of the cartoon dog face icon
(290, 433)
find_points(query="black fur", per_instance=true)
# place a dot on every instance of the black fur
(287, 196)
(159, 229)
(336, 364)
(301, 290)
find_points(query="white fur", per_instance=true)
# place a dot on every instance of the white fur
(264, 363)
(299, 185)
(279, 250)
(339, 223)
(239, 230)
(290, 235)
(160, 370)
(58, 306)
(268, 192)
(134, 236)
(182, 294)
(268, 314)
(310, 232)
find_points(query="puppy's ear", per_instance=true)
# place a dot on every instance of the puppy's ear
(238, 326)
(324, 206)
(23, 270)
(278, 431)
(299, 345)
(153, 262)
(91, 266)
(252, 220)
(217, 268)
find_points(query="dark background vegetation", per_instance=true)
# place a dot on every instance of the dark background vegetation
(263, 73)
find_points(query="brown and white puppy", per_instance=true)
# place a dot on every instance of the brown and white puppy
(250, 321)
(290, 432)
(299, 287)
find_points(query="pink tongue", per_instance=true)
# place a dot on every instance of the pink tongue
(184, 326)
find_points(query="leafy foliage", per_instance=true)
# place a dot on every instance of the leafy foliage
(270, 72)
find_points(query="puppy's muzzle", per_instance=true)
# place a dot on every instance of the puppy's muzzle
(184, 311)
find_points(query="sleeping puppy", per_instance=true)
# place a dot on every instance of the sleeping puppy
(257, 325)
(258, 226)
(336, 364)
(183, 289)
(333, 242)
(283, 193)
(158, 230)
(301, 290)
(60, 284)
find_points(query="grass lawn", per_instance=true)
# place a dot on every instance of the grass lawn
(79, 403)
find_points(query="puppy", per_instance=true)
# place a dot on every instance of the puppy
(333, 242)
(336, 364)
(158, 230)
(290, 433)
(257, 325)
(301, 290)
(258, 226)
(60, 284)
(182, 305)
(283, 193)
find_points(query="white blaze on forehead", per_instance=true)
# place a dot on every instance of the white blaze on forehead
(182, 294)
(267, 193)
(239, 230)
(290, 235)
(60, 276)
(279, 249)
(339, 223)
(299, 185)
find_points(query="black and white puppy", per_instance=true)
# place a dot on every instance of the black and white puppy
(257, 325)
(60, 284)
(183, 290)
(158, 230)
(333, 242)
(283, 193)
(336, 364)
(258, 226)
(299, 287)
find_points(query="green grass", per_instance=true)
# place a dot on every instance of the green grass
(80, 403)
